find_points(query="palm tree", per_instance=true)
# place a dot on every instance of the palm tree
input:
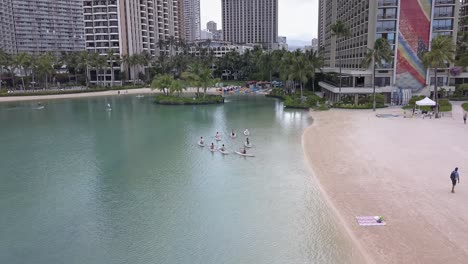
(192, 75)
(316, 63)
(206, 79)
(340, 31)
(380, 54)
(99, 62)
(85, 61)
(111, 58)
(441, 53)
(125, 60)
(162, 83)
(4, 62)
(176, 87)
(45, 66)
(23, 60)
(300, 70)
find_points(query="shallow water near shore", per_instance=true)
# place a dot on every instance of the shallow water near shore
(84, 185)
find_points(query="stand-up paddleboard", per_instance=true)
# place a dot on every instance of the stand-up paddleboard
(246, 133)
(218, 138)
(233, 136)
(225, 152)
(140, 96)
(245, 155)
(200, 144)
(248, 145)
(213, 150)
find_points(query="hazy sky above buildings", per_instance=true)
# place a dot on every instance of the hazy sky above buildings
(297, 18)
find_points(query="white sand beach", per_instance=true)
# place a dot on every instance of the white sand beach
(398, 168)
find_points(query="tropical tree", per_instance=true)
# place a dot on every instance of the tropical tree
(176, 87)
(111, 58)
(316, 63)
(340, 31)
(99, 62)
(23, 61)
(4, 63)
(380, 54)
(192, 75)
(299, 70)
(206, 79)
(163, 83)
(45, 67)
(85, 61)
(441, 53)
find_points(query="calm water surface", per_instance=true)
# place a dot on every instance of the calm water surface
(83, 185)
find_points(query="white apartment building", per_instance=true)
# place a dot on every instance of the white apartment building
(251, 22)
(128, 27)
(408, 25)
(217, 48)
(38, 26)
(192, 24)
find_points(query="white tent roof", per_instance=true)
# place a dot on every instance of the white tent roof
(426, 102)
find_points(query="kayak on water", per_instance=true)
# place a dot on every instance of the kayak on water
(245, 155)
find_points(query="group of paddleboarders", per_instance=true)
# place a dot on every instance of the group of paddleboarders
(223, 148)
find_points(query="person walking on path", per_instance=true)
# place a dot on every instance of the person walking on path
(464, 117)
(455, 177)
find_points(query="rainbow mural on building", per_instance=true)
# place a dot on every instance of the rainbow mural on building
(413, 41)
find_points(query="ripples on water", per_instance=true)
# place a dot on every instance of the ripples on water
(83, 185)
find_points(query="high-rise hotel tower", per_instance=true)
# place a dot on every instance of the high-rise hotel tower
(408, 25)
(251, 22)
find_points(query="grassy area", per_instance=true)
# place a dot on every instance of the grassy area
(465, 106)
(181, 100)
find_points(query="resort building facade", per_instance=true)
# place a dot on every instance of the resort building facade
(409, 26)
(128, 27)
(463, 25)
(251, 22)
(38, 26)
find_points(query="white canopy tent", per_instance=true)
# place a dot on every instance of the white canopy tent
(426, 102)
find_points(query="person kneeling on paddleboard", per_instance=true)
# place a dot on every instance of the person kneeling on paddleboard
(222, 148)
(202, 142)
(212, 146)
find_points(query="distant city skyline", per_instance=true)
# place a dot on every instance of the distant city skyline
(298, 19)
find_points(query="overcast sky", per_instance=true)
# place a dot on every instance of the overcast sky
(297, 18)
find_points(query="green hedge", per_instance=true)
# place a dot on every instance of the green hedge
(311, 101)
(465, 106)
(176, 100)
(458, 98)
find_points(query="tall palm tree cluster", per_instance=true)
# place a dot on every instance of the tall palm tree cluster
(36, 71)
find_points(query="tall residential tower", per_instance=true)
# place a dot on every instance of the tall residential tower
(38, 26)
(192, 24)
(251, 22)
(408, 26)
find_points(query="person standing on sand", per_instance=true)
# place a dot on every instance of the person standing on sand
(454, 176)
(464, 118)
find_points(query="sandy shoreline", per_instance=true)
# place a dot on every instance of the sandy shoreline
(398, 168)
(92, 94)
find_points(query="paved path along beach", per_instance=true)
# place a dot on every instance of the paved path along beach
(398, 168)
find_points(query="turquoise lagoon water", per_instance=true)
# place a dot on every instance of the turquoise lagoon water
(80, 185)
